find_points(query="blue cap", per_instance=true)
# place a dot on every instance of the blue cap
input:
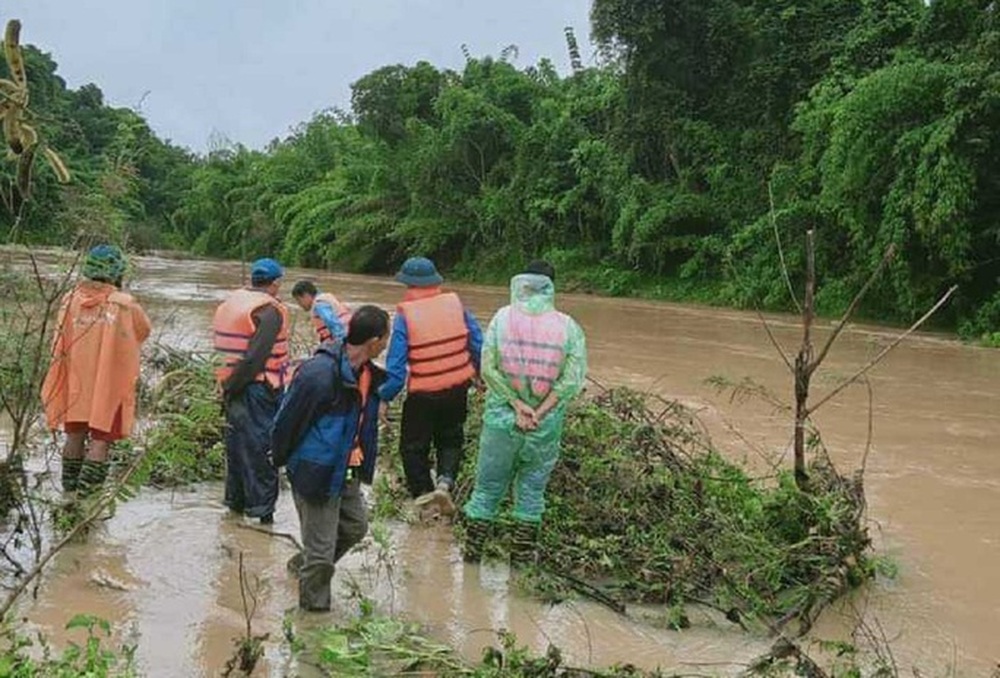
(419, 272)
(265, 270)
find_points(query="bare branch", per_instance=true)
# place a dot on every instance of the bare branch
(808, 310)
(871, 426)
(877, 359)
(774, 342)
(781, 252)
(890, 252)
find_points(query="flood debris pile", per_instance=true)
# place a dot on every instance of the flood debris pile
(641, 509)
(185, 425)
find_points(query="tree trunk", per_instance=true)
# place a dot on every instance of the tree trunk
(804, 365)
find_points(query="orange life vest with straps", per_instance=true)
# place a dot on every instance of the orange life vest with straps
(234, 327)
(439, 356)
(532, 349)
(342, 311)
(357, 455)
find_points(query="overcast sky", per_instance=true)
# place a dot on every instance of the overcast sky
(250, 69)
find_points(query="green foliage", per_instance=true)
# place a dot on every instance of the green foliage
(642, 504)
(125, 181)
(985, 325)
(874, 122)
(184, 444)
(375, 645)
(93, 658)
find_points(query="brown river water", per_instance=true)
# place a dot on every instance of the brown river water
(164, 568)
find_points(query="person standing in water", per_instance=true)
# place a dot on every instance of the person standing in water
(534, 364)
(434, 351)
(251, 333)
(327, 433)
(89, 389)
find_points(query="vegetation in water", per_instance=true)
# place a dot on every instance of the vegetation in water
(641, 509)
(186, 424)
(376, 645)
(23, 657)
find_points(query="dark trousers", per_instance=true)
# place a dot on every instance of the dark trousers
(330, 528)
(251, 479)
(437, 418)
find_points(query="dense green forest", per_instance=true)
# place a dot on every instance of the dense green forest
(875, 122)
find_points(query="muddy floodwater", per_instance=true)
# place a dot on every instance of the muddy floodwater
(164, 567)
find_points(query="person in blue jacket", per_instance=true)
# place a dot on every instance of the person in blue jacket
(326, 433)
(433, 352)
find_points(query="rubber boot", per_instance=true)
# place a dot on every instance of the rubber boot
(524, 544)
(442, 494)
(92, 477)
(476, 532)
(71, 474)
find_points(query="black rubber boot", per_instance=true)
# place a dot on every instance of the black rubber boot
(92, 477)
(71, 474)
(476, 532)
(524, 544)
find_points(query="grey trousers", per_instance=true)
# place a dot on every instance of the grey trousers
(330, 528)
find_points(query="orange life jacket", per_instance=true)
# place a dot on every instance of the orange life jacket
(439, 356)
(532, 349)
(234, 327)
(364, 385)
(342, 311)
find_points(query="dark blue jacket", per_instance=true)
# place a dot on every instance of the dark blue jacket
(315, 428)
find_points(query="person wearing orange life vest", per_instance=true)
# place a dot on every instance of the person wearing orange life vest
(434, 350)
(251, 333)
(329, 317)
(89, 389)
(534, 364)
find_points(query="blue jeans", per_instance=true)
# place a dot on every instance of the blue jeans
(251, 479)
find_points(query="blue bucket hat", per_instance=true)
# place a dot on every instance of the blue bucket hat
(104, 263)
(419, 272)
(265, 270)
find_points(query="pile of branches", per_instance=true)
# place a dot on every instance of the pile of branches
(185, 421)
(641, 509)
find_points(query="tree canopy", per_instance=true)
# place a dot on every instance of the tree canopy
(874, 122)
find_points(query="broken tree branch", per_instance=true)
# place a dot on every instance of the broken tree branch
(774, 342)
(804, 364)
(781, 251)
(890, 252)
(882, 354)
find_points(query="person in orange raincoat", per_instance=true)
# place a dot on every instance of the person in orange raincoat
(89, 390)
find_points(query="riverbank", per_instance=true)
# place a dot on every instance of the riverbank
(579, 275)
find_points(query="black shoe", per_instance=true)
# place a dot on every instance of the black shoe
(267, 520)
